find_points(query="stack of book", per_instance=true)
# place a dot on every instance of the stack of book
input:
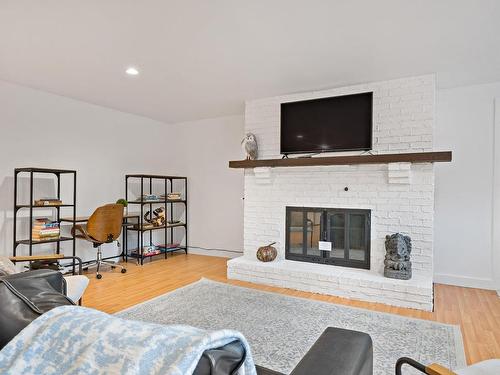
(148, 198)
(45, 229)
(48, 202)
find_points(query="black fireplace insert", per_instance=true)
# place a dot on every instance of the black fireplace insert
(333, 236)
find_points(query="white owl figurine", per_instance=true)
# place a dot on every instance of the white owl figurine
(249, 145)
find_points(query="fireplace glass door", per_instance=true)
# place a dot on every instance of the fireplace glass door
(349, 233)
(296, 232)
(304, 232)
(313, 220)
(327, 235)
(336, 234)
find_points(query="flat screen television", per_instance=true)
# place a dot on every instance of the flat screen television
(340, 123)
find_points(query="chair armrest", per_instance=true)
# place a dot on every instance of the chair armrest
(436, 369)
(338, 351)
(433, 369)
(81, 228)
(32, 258)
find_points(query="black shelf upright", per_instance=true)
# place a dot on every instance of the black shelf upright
(32, 208)
(168, 183)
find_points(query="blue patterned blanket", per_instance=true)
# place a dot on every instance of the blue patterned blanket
(77, 340)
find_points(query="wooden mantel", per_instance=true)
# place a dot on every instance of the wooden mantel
(416, 157)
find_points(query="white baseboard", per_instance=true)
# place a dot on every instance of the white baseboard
(469, 282)
(215, 252)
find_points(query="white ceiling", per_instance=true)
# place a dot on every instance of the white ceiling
(203, 58)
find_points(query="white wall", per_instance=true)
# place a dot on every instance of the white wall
(201, 150)
(496, 201)
(463, 250)
(43, 130)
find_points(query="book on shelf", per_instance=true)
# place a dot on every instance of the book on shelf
(48, 202)
(143, 226)
(46, 232)
(147, 251)
(45, 221)
(174, 196)
(45, 238)
(148, 198)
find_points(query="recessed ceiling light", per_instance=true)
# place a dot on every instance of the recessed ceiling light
(132, 71)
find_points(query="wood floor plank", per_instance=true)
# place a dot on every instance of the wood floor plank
(477, 311)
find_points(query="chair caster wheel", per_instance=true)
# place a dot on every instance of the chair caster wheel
(124, 270)
(99, 276)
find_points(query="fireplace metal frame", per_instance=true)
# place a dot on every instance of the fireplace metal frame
(325, 236)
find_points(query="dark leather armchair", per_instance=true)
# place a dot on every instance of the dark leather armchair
(25, 296)
(75, 285)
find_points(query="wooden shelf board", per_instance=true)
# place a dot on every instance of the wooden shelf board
(45, 206)
(156, 228)
(417, 157)
(35, 242)
(133, 254)
(158, 201)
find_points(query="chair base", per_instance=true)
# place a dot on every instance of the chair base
(99, 262)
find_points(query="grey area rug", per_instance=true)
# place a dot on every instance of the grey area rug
(280, 329)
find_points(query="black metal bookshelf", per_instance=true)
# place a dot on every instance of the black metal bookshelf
(30, 242)
(146, 186)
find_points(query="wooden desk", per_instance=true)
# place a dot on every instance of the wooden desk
(125, 224)
(84, 219)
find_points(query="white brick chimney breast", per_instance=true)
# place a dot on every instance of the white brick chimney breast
(399, 195)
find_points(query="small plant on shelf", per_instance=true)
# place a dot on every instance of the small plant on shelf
(122, 201)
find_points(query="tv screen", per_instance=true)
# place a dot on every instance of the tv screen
(341, 123)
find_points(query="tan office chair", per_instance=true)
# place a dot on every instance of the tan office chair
(103, 226)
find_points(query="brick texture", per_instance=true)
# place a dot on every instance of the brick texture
(403, 115)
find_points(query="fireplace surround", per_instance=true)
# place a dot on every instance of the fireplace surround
(399, 195)
(334, 236)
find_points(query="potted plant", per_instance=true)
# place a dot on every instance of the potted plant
(124, 203)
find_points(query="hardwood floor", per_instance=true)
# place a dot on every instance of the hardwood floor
(477, 311)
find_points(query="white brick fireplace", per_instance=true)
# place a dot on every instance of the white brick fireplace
(399, 195)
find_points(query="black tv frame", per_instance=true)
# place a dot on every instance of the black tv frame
(314, 152)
